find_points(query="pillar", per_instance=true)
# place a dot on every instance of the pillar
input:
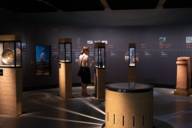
(183, 77)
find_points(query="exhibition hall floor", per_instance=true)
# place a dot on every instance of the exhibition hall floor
(45, 109)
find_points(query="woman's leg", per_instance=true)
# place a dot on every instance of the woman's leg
(84, 90)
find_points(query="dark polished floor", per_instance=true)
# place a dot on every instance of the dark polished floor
(45, 109)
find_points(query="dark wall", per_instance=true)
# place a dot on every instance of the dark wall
(156, 65)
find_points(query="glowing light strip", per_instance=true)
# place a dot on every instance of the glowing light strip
(28, 114)
(72, 112)
(93, 106)
(65, 120)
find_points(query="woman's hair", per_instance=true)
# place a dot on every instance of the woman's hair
(84, 49)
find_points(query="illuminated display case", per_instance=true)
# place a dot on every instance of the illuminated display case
(132, 55)
(99, 53)
(65, 50)
(10, 54)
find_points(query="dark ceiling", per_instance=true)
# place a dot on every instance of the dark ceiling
(89, 5)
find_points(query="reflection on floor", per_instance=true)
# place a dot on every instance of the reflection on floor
(44, 108)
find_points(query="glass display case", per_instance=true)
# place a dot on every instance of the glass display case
(10, 54)
(99, 53)
(65, 50)
(132, 55)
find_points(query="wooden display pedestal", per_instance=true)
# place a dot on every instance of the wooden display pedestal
(65, 80)
(182, 92)
(100, 83)
(11, 91)
(129, 107)
(183, 81)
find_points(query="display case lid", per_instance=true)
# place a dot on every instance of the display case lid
(132, 45)
(9, 37)
(99, 45)
(65, 40)
(129, 87)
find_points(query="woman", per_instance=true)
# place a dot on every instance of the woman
(85, 73)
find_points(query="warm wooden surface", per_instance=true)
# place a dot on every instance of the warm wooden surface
(65, 80)
(183, 77)
(11, 91)
(100, 80)
(129, 110)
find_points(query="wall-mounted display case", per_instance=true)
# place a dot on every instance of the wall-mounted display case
(42, 60)
(10, 53)
(100, 54)
(132, 55)
(65, 50)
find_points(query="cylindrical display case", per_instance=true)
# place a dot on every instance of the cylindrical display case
(129, 105)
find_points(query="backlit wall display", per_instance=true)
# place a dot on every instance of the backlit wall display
(163, 45)
(42, 60)
(162, 39)
(188, 41)
(162, 42)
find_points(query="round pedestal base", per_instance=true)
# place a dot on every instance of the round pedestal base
(129, 105)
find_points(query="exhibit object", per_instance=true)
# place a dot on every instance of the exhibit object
(128, 105)
(65, 73)
(10, 75)
(100, 54)
(10, 53)
(183, 77)
(132, 55)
